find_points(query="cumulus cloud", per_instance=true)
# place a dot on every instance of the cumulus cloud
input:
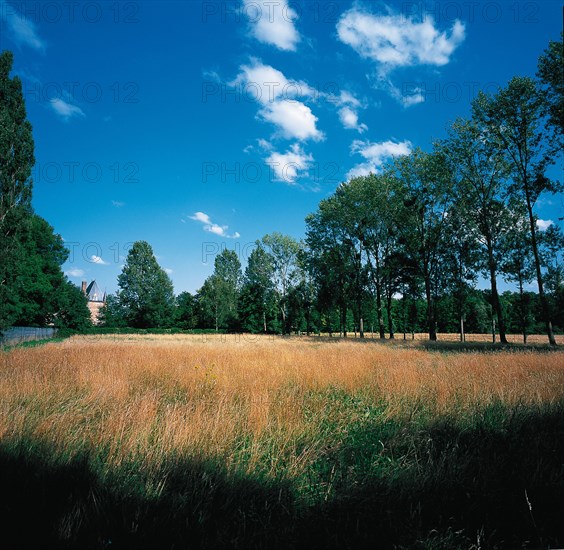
(348, 105)
(74, 272)
(349, 119)
(543, 225)
(394, 40)
(266, 84)
(97, 260)
(376, 154)
(277, 96)
(22, 30)
(212, 227)
(272, 23)
(287, 166)
(64, 109)
(294, 119)
(168, 271)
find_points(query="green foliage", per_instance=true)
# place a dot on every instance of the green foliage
(113, 313)
(16, 162)
(186, 310)
(146, 291)
(72, 310)
(551, 77)
(283, 251)
(257, 303)
(217, 300)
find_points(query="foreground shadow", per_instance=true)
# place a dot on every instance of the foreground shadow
(497, 485)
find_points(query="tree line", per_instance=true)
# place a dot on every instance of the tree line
(397, 251)
(404, 248)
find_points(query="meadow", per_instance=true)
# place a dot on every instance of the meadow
(224, 441)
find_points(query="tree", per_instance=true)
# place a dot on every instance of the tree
(113, 313)
(378, 233)
(283, 250)
(16, 162)
(461, 257)
(257, 304)
(426, 189)
(219, 295)
(516, 116)
(40, 292)
(186, 310)
(551, 82)
(518, 267)
(332, 258)
(480, 166)
(72, 308)
(146, 292)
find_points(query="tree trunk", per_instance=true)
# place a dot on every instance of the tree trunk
(381, 327)
(283, 309)
(462, 335)
(389, 311)
(544, 302)
(522, 309)
(496, 303)
(430, 310)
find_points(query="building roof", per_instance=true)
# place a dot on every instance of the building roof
(94, 294)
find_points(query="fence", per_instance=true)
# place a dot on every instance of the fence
(17, 335)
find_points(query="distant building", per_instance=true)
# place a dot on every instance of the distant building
(96, 299)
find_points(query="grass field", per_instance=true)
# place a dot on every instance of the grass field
(256, 442)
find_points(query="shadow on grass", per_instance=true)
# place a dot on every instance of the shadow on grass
(496, 484)
(440, 346)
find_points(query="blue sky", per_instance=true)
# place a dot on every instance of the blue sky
(207, 124)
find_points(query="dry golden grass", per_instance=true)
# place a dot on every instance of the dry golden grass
(253, 402)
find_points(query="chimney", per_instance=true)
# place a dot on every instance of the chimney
(83, 287)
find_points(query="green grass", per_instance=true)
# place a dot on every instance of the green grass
(413, 483)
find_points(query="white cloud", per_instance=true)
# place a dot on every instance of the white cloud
(348, 106)
(97, 260)
(266, 84)
(346, 98)
(272, 23)
(64, 109)
(287, 166)
(23, 30)
(349, 119)
(543, 225)
(168, 271)
(118, 204)
(408, 96)
(201, 217)
(295, 120)
(264, 144)
(74, 272)
(276, 93)
(376, 154)
(396, 41)
(211, 227)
